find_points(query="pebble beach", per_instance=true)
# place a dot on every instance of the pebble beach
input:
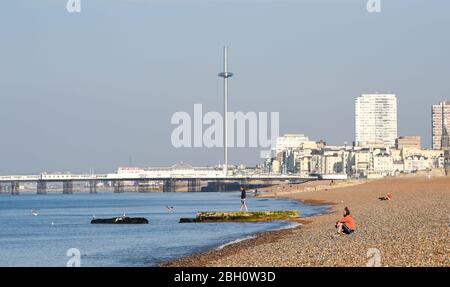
(412, 229)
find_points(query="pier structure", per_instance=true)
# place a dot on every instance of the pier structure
(15, 187)
(169, 185)
(194, 185)
(92, 186)
(67, 186)
(41, 187)
(192, 179)
(118, 186)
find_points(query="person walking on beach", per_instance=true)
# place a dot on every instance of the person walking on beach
(347, 224)
(243, 198)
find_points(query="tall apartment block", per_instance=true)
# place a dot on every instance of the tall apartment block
(440, 114)
(376, 120)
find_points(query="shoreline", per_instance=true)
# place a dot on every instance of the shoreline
(312, 243)
(230, 248)
(197, 259)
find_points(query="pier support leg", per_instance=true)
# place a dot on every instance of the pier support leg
(3, 188)
(118, 186)
(67, 187)
(142, 186)
(14, 187)
(216, 186)
(221, 186)
(169, 185)
(41, 187)
(139, 186)
(194, 185)
(92, 186)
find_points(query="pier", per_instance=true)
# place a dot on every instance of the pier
(194, 179)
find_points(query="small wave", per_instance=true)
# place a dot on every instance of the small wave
(287, 226)
(235, 241)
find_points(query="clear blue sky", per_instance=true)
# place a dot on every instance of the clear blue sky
(91, 90)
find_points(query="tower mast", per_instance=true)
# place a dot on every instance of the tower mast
(225, 75)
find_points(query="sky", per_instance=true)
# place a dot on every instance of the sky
(97, 89)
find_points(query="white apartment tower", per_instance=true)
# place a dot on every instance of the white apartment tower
(441, 125)
(376, 120)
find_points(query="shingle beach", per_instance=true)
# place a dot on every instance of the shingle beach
(410, 230)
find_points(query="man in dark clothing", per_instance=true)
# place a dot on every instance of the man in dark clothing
(243, 197)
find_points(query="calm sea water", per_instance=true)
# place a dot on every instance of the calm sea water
(27, 240)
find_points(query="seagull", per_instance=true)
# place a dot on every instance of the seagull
(169, 209)
(34, 211)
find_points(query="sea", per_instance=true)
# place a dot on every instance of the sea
(61, 234)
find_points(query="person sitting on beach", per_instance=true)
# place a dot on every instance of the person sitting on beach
(347, 224)
(387, 197)
(243, 197)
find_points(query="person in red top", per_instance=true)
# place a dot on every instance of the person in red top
(347, 224)
(387, 197)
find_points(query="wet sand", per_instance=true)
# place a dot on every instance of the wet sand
(410, 230)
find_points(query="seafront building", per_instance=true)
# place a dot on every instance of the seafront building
(377, 150)
(376, 120)
(290, 141)
(355, 162)
(440, 115)
(408, 142)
